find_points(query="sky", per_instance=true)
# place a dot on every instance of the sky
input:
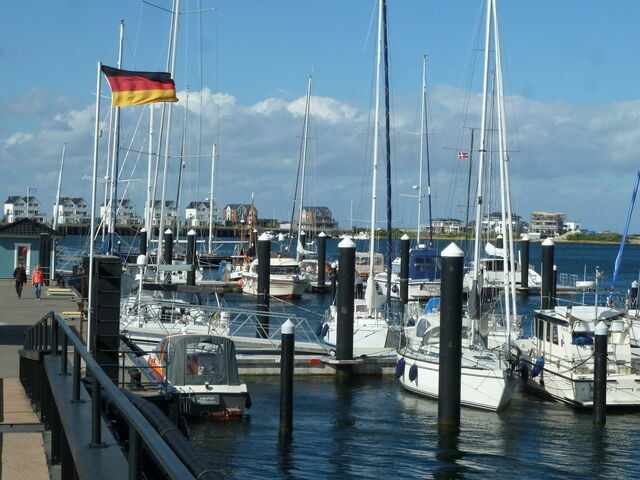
(571, 95)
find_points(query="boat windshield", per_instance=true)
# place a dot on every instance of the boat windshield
(206, 363)
(285, 270)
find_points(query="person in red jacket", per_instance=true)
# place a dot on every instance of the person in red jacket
(37, 279)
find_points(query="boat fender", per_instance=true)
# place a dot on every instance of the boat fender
(247, 402)
(537, 368)
(524, 370)
(411, 322)
(394, 289)
(413, 372)
(400, 368)
(325, 330)
(318, 331)
(583, 341)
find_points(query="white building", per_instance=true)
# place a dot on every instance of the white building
(15, 208)
(197, 213)
(445, 225)
(125, 213)
(71, 210)
(572, 227)
(170, 213)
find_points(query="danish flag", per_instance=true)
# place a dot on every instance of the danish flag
(463, 154)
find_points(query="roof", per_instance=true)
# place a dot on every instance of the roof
(15, 198)
(198, 204)
(26, 227)
(235, 206)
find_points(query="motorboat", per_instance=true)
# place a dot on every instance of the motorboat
(285, 279)
(424, 275)
(559, 358)
(201, 370)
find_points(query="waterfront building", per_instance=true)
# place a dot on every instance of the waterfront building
(318, 219)
(17, 207)
(170, 213)
(20, 243)
(198, 213)
(244, 213)
(71, 210)
(572, 227)
(492, 223)
(445, 225)
(125, 212)
(547, 224)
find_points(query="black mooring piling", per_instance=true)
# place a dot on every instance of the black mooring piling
(143, 241)
(167, 256)
(262, 299)
(287, 347)
(346, 280)
(600, 374)
(546, 298)
(524, 263)
(191, 257)
(404, 269)
(450, 337)
(322, 259)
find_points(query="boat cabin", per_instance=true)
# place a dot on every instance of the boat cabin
(363, 262)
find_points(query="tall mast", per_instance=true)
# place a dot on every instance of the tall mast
(483, 144)
(305, 134)
(57, 206)
(387, 129)
(113, 203)
(376, 135)
(172, 62)
(148, 217)
(211, 197)
(424, 152)
(507, 220)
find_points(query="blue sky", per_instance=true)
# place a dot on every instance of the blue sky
(571, 73)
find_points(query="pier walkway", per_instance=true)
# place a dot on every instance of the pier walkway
(21, 438)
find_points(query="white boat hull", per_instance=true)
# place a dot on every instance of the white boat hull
(488, 389)
(285, 288)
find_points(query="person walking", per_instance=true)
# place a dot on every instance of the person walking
(20, 276)
(37, 279)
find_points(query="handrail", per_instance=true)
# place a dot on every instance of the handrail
(37, 337)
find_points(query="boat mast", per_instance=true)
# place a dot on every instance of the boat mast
(376, 134)
(171, 58)
(507, 220)
(57, 206)
(148, 217)
(211, 197)
(483, 144)
(113, 202)
(305, 136)
(388, 149)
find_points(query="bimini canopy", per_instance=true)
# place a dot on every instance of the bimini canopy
(424, 264)
(196, 359)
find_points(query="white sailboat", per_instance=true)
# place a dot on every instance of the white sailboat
(372, 334)
(488, 377)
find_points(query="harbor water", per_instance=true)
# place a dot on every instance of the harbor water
(369, 428)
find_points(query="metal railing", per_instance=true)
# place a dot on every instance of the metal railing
(53, 337)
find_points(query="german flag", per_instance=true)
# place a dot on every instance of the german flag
(138, 88)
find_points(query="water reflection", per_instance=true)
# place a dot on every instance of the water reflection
(449, 454)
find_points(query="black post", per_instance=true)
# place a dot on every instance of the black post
(287, 348)
(167, 256)
(404, 269)
(524, 263)
(547, 275)
(554, 290)
(500, 243)
(600, 375)
(334, 282)
(346, 280)
(143, 241)
(450, 338)
(106, 332)
(633, 301)
(322, 259)
(191, 257)
(44, 257)
(264, 267)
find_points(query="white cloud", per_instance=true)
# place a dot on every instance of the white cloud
(569, 158)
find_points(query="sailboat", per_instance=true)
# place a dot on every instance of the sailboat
(372, 333)
(424, 263)
(488, 376)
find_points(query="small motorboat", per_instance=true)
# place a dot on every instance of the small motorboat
(202, 371)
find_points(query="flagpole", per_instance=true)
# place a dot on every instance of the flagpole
(90, 316)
